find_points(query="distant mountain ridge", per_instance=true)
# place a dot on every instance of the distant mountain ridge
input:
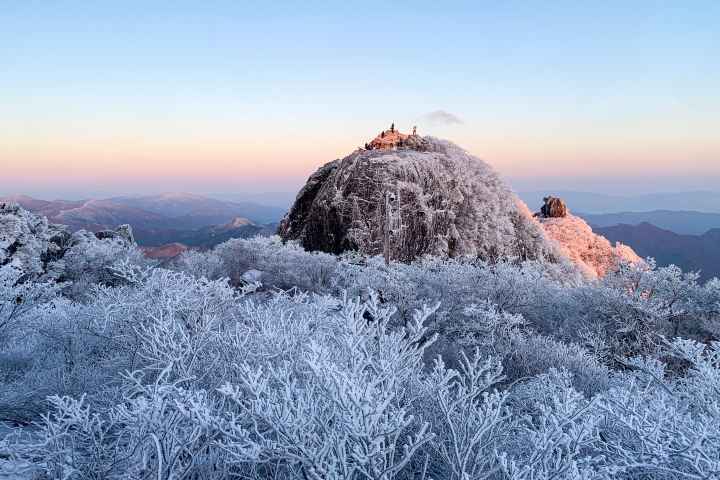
(158, 219)
(682, 222)
(690, 252)
(205, 237)
(196, 211)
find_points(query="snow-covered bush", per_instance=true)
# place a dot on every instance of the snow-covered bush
(22, 302)
(337, 369)
(282, 265)
(632, 307)
(470, 417)
(91, 261)
(708, 307)
(324, 393)
(69, 348)
(523, 351)
(527, 288)
(20, 298)
(309, 387)
(199, 264)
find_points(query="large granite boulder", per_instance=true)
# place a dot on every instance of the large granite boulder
(420, 196)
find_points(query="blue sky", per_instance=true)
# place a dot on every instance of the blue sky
(255, 95)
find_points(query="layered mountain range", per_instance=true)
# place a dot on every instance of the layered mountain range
(159, 219)
(690, 252)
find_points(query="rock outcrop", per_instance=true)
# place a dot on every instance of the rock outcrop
(412, 197)
(123, 232)
(392, 139)
(29, 243)
(553, 208)
(37, 248)
(594, 255)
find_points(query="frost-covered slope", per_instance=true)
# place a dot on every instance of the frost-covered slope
(592, 253)
(430, 198)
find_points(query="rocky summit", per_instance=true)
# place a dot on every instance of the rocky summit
(406, 196)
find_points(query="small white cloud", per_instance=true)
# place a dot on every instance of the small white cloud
(441, 117)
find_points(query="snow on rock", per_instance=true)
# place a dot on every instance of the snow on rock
(124, 232)
(592, 253)
(253, 275)
(553, 208)
(37, 248)
(28, 242)
(413, 198)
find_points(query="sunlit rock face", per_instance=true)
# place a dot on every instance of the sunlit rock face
(405, 196)
(593, 254)
(553, 207)
(393, 139)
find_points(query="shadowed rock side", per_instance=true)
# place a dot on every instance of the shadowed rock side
(425, 197)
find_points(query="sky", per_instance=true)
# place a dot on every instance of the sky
(232, 97)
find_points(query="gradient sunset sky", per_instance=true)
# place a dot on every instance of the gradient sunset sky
(104, 98)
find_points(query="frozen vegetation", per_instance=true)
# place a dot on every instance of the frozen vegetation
(447, 334)
(261, 360)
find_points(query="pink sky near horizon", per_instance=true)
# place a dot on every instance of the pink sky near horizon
(113, 98)
(125, 162)
(144, 97)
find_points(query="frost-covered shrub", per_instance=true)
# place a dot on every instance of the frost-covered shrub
(22, 302)
(327, 399)
(45, 357)
(310, 388)
(527, 288)
(632, 307)
(518, 371)
(69, 348)
(469, 415)
(524, 352)
(282, 265)
(20, 298)
(708, 307)
(200, 264)
(553, 433)
(618, 316)
(657, 428)
(91, 261)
